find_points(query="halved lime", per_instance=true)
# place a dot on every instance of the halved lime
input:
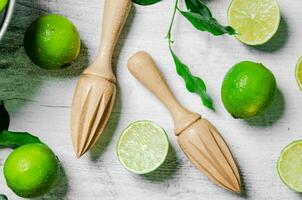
(256, 21)
(142, 147)
(290, 166)
(298, 73)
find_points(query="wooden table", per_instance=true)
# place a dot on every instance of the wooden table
(39, 102)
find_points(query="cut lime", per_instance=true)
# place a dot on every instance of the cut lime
(256, 21)
(142, 147)
(290, 166)
(298, 73)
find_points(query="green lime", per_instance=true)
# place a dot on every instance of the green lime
(142, 147)
(298, 73)
(3, 4)
(290, 166)
(52, 41)
(31, 170)
(248, 89)
(256, 21)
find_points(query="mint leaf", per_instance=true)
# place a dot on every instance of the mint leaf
(145, 2)
(16, 139)
(198, 6)
(193, 84)
(4, 117)
(209, 24)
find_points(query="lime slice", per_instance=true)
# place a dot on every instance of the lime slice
(290, 166)
(256, 21)
(142, 147)
(299, 73)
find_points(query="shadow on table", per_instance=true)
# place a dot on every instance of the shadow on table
(110, 129)
(167, 169)
(278, 41)
(60, 191)
(273, 113)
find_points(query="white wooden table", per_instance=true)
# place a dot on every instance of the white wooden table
(39, 102)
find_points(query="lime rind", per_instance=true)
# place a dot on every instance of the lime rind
(298, 73)
(289, 166)
(247, 17)
(162, 141)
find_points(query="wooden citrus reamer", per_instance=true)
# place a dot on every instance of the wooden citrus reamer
(197, 137)
(95, 91)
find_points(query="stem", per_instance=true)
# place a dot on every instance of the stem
(171, 23)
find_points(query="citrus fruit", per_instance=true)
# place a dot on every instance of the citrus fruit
(290, 166)
(256, 21)
(248, 89)
(31, 170)
(298, 73)
(142, 147)
(3, 4)
(52, 41)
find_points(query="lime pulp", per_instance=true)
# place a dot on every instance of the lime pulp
(142, 147)
(256, 21)
(290, 166)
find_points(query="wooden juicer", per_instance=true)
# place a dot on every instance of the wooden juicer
(95, 92)
(197, 137)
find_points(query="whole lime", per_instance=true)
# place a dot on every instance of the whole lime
(248, 89)
(3, 4)
(52, 41)
(31, 170)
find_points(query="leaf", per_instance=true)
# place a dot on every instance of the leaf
(197, 6)
(208, 24)
(145, 2)
(193, 84)
(4, 117)
(15, 139)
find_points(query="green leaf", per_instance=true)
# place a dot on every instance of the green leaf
(198, 6)
(3, 197)
(15, 139)
(145, 2)
(193, 84)
(208, 24)
(4, 117)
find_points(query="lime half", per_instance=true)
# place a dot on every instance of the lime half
(298, 73)
(256, 21)
(142, 147)
(290, 166)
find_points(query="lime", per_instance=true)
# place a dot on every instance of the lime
(31, 170)
(3, 4)
(290, 166)
(256, 21)
(142, 147)
(248, 89)
(298, 73)
(52, 41)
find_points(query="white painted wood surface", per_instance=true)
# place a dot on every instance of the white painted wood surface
(39, 102)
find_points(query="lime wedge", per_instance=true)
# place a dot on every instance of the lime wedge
(298, 73)
(290, 166)
(256, 21)
(142, 147)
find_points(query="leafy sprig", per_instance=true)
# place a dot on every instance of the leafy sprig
(12, 139)
(202, 19)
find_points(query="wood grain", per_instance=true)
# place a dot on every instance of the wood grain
(39, 102)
